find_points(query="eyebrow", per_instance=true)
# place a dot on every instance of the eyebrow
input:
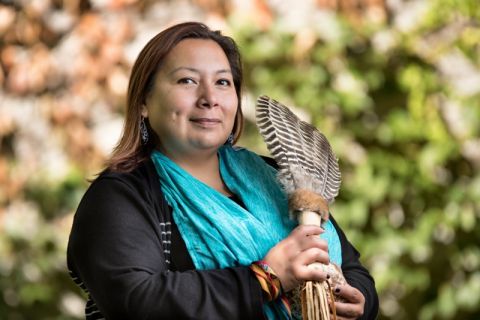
(198, 71)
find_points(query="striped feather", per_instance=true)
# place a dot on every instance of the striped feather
(304, 155)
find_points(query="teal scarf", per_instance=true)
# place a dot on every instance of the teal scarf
(219, 233)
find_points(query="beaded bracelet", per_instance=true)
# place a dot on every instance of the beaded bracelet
(268, 279)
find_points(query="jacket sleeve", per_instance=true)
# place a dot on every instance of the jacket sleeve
(357, 275)
(115, 248)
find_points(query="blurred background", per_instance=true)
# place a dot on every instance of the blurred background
(394, 85)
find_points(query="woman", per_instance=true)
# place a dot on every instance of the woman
(181, 225)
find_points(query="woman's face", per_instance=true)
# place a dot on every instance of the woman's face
(193, 103)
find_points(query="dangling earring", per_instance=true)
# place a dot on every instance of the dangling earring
(230, 139)
(143, 131)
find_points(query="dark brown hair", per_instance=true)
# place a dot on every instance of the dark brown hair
(130, 151)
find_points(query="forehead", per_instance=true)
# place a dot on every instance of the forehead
(196, 52)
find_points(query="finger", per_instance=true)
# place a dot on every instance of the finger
(340, 317)
(304, 230)
(355, 301)
(313, 255)
(307, 236)
(305, 273)
(303, 238)
(313, 241)
(349, 293)
(302, 265)
(348, 310)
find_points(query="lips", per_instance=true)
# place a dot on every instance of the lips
(205, 121)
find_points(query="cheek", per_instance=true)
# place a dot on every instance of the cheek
(176, 112)
(171, 110)
(170, 101)
(233, 110)
(231, 102)
(234, 115)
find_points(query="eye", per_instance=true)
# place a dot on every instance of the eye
(224, 82)
(186, 81)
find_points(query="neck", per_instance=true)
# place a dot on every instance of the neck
(204, 166)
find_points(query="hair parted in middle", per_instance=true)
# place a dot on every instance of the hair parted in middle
(130, 151)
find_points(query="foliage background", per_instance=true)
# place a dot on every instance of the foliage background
(395, 86)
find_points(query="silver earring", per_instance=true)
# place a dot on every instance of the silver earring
(143, 131)
(230, 139)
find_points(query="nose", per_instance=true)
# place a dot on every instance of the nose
(207, 97)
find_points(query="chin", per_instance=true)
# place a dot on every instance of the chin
(208, 144)
(213, 142)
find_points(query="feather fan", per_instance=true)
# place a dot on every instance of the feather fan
(308, 170)
(304, 155)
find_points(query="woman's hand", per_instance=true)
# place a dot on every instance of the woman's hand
(291, 256)
(353, 306)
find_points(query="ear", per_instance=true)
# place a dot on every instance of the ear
(144, 111)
